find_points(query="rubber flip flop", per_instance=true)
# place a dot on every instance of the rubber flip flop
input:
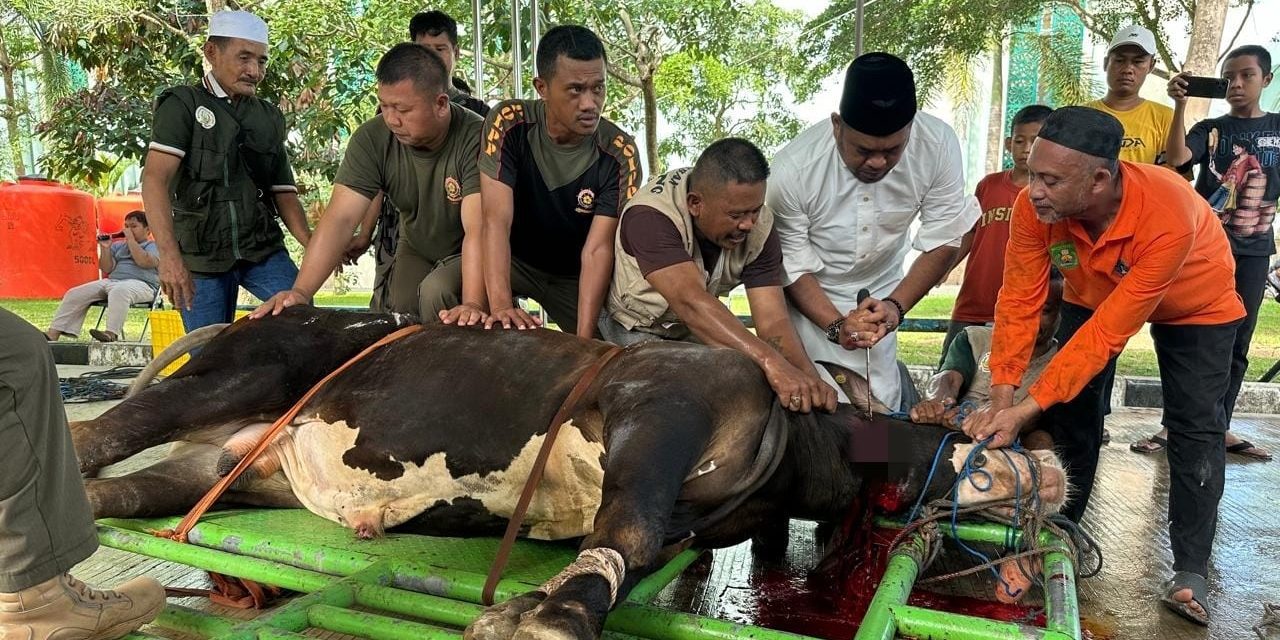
(1248, 450)
(1154, 444)
(1196, 583)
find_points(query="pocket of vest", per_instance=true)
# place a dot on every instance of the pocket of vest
(207, 165)
(188, 229)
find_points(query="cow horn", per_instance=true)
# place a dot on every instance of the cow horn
(172, 352)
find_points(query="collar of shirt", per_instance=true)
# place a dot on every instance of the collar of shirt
(211, 85)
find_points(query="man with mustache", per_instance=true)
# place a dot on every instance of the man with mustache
(845, 194)
(1135, 244)
(216, 177)
(691, 235)
(554, 178)
(420, 153)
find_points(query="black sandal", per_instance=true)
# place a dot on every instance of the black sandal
(1199, 589)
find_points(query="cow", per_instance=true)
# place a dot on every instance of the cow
(672, 445)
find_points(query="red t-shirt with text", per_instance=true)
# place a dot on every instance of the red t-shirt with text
(985, 268)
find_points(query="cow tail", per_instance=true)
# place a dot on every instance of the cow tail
(179, 348)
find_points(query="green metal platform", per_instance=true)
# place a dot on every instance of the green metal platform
(408, 587)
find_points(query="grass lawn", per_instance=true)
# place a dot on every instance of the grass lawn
(914, 348)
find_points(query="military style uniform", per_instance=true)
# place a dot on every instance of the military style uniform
(387, 235)
(233, 162)
(558, 191)
(426, 188)
(46, 525)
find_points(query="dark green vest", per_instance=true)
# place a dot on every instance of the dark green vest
(223, 207)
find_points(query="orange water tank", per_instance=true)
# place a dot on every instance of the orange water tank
(47, 240)
(113, 208)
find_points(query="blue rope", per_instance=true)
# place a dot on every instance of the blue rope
(929, 480)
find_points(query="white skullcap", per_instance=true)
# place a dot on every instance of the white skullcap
(238, 24)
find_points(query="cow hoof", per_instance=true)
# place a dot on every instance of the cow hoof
(500, 620)
(557, 621)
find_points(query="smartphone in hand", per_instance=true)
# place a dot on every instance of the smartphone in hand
(1205, 87)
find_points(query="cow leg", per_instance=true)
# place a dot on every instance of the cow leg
(169, 487)
(649, 453)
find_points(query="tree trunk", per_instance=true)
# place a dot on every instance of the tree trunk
(11, 111)
(1202, 54)
(650, 124)
(995, 126)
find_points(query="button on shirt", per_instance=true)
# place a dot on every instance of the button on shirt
(849, 234)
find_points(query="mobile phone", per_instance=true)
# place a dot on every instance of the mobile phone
(103, 236)
(1205, 87)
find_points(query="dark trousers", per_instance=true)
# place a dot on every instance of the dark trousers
(1251, 279)
(1194, 375)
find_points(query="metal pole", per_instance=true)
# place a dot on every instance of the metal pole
(477, 74)
(857, 30)
(517, 79)
(535, 35)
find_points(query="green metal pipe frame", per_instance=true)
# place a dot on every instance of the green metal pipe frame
(889, 615)
(628, 618)
(334, 579)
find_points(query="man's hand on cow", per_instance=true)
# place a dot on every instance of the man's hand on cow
(1001, 424)
(511, 317)
(941, 412)
(279, 302)
(176, 282)
(798, 391)
(464, 315)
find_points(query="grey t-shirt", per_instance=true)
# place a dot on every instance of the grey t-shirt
(127, 269)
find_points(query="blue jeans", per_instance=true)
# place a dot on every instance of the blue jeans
(215, 299)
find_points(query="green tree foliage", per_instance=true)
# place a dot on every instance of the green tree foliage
(710, 67)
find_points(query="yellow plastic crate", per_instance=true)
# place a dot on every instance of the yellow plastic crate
(166, 328)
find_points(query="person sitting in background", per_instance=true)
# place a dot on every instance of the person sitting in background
(963, 382)
(131, 278)
(984, 244)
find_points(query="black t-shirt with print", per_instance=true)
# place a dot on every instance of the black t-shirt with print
(557, 190)
(1239, 160)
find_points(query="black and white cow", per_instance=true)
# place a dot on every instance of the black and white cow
(673, 444)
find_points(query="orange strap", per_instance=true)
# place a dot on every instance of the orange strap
(535, 473)
(205, 503)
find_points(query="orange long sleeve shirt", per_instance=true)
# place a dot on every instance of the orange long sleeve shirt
(1164, 259)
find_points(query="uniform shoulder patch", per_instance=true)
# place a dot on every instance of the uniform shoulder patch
(502, 118)
(1063, 255)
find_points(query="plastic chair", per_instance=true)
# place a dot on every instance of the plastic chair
(156, 303)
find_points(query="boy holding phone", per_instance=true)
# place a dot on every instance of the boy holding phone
(1130, 58)
(1239, 159)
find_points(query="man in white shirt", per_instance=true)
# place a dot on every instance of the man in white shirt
(845, 195)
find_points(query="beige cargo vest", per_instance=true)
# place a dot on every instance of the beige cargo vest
(980, 387)
(633, 302)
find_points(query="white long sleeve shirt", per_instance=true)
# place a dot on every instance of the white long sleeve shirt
(849, 234)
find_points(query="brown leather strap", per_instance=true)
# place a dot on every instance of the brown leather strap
(205, 503)
(535, 474)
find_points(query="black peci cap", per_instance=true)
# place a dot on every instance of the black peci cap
(1086, 130)
(879, 94)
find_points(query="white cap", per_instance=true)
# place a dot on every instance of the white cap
(1134, 35)
(238, 24)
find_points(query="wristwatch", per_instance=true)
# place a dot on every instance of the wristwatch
(833, 330)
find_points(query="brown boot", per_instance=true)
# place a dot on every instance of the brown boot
(66, 609)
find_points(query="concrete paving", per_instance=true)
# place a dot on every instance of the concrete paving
(1127, 516)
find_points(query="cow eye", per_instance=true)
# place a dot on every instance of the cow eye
(979, 461)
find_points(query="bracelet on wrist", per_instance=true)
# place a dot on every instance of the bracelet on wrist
(902, 313)
(833, 330)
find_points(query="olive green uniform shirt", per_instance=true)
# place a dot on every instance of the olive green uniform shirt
(427, 187)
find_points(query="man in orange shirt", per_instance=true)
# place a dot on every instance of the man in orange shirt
(1135, 244)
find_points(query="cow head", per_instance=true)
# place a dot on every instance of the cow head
(984, 475)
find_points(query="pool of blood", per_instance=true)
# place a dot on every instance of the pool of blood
(831, 600)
